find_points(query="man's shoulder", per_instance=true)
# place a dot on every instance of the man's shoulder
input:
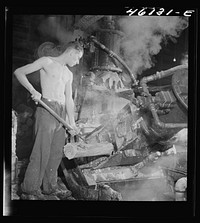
(43, 60)
(46, 59)
(68, 74)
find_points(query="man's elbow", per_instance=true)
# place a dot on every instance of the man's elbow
(17, 72)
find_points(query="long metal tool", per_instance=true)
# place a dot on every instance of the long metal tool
(95, 131)
(58, 117)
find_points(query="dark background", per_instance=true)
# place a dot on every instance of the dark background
(14, 49)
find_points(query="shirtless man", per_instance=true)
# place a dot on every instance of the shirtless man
(56, 85)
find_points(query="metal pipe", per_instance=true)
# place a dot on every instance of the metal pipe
(151, 105)
(162, 124)
(112, 54)
(162, 74)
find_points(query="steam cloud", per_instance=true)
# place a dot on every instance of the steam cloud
(58, 28)
(145, 190)
(156, 189)
(144, 36)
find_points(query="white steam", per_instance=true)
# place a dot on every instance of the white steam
(153, 188)
(146, 190)
(144, 35)
(59, 28)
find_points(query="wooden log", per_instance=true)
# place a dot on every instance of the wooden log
(113, 173)
(80, 149)
(121, 173)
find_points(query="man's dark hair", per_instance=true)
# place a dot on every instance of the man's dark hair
(74, 45)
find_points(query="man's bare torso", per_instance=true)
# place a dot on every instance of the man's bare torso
(53, 80)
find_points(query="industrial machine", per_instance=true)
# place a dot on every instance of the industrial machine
(127, 123)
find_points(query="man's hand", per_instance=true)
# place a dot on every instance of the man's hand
(36, 96)
(74, 131)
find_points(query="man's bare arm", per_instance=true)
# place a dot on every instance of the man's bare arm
(69, 103)
(21, 72)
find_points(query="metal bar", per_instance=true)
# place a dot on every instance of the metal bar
(58, 117)
(55, 115)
